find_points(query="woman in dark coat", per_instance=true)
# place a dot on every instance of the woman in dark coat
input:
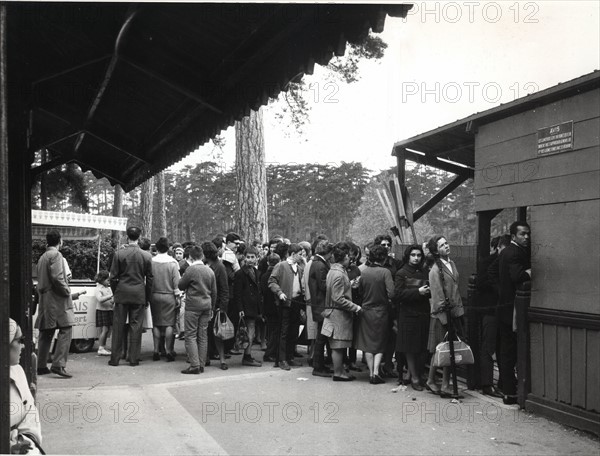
(376, 287)
(412, 304)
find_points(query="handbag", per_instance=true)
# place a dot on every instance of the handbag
(242, 340)
(223, 327)
(462, 353)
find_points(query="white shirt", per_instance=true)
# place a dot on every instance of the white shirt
(448, 265)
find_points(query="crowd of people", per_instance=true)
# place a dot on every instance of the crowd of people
(387, 308)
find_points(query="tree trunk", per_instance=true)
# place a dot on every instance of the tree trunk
(251, 178)
(161, 209)
(146, 200)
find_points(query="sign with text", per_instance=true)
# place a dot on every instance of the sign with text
(555, 139)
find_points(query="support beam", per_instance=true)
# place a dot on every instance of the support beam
(60, 160)
(435, 163)
(69, 70)
(172, 85)
(439, 196)
(484, 228)
(4, 245)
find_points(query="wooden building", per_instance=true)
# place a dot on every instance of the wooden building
(127, 89)
(540, 155)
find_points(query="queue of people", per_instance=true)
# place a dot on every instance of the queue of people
(384, 307)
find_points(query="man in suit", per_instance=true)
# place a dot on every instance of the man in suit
(317, 284)
(514, 269)
(286, 282)
(55, 307)
(131, 282)
(487, 299)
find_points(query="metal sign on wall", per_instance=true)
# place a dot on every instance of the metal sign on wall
(555, 139)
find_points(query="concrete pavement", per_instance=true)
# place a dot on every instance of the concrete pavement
(154, 409)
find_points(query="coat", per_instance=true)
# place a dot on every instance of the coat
(269, 298)
(407, 299)
(513, 261)
(56, 306)
(281, 280)
(317, 284)
(131, 275)
(437, 293)
(339, 308)
(487, 286)
(247, 295)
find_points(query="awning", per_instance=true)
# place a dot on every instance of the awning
(126, 90)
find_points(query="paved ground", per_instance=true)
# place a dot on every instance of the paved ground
(154, 409)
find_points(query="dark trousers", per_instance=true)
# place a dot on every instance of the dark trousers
(508, 358)
(136, 320)
(272, 336)
(61, 352)
(289, 318)
(319, 348)
(489, 344)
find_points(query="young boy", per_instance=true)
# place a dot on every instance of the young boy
(104, 310)
(248, 300)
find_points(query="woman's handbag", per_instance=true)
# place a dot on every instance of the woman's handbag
(242, 340)
(462, 353)
(223, 327)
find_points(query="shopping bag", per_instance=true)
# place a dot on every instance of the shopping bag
(462, 353)
(242, 340)
(223, 327)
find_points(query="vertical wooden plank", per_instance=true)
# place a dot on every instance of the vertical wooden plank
(592, 399)
(550, 362)
(578, 367)
(564, 364)
(4, 244)
(536, 349)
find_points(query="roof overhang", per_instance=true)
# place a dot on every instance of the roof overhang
(452, 147)
(126, 90)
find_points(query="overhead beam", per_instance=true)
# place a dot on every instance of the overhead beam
(60, 160)
(436, 163)
(102, 172)
(69, 70)
(172, 85)
(439, 196)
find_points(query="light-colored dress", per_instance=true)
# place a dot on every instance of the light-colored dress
(165, 270)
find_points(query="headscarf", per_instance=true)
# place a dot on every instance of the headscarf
(14, 331)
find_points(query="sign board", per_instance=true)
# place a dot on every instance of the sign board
(555, 139)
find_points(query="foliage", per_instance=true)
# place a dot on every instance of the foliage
(82, 256)
(293, 106)
(66, 189)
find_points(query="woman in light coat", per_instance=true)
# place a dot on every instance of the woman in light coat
(339, 311)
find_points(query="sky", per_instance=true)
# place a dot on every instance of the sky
(444, 62)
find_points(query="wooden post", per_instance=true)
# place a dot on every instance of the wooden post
(522, 301)
(4, 246)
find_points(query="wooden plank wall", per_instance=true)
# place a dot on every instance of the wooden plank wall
(509, 173)
(562, 192)
(565, 366)
(564, 256)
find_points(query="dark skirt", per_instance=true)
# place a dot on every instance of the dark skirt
(162, 306)
(413, 333)
(437, 332)
(372, 329)
(104, 318)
